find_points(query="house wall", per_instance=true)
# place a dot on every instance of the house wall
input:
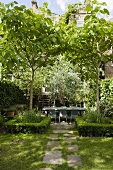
(109, 69)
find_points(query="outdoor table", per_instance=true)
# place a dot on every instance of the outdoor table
(63, 112)
(78, 110)
(74, 111)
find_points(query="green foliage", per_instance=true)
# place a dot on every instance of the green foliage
(88, 44)
(10, 94)
(30, 41)
(93, 129)
(62, 80)
(106, 94)
(2, 120)
(91, 116)
(26, 117)
(13, 126)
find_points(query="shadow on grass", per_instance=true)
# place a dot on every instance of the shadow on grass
(22, 151)
(96, 153)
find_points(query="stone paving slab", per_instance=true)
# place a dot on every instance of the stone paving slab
(63, 131)
(53, 157)
(71, 139)
(72, 148)
(53, 144)
(45, 169)
(63, 125)
(74, 160)
(53, 136)
(68, 135)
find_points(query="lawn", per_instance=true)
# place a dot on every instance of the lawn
(26, 151)
(96, 153)
(22, 151)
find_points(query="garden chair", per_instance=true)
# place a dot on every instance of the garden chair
(74, 113)
(52, 114)
(63, 114)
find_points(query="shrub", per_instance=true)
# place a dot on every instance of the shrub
(12, 126)
(2, 120)
(26, 117)
(91, 116)
(93, 129)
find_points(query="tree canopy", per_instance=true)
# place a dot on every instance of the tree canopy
(30, 40)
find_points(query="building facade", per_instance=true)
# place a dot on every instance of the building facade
(36, 9)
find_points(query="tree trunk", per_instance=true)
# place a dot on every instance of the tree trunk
(31, 91)
(97, 92)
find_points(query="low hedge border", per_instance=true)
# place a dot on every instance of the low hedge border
(13, 127)
(93, 129)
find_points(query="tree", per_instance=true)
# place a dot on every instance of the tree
(89, 44)
(63, 80)
(30, 40)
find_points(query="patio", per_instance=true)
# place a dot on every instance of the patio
(67, 114)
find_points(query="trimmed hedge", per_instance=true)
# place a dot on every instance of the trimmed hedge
(14, 127)
(10, 94)
(93, 129)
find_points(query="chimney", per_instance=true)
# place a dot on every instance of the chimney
(34, 5)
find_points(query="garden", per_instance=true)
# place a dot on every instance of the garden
(44, 63)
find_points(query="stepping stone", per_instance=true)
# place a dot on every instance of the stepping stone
(72, 148)
(53, 144)
(74, 160)
(68, 135)
(62, 125)
(53, 136)
(62, 131)
(53, 157)
(71, 139)
(45, 169)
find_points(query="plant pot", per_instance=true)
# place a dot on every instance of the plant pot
(10, 113)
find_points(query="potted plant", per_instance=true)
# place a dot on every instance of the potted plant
(10, 111)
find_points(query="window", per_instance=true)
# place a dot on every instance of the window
(80, 23)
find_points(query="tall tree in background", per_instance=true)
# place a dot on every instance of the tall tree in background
(88, 45)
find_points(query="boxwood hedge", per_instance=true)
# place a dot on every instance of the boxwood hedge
(93, 129)
(15, 127)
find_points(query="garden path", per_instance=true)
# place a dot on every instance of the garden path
(62, 138)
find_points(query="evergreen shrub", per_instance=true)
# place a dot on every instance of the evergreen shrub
(12, 126)
(93, 129)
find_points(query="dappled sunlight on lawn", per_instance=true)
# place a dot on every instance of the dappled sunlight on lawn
(21, 150)
(96, 153)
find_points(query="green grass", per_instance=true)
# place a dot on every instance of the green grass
(26, 151)
(96, 153)
(22, 151)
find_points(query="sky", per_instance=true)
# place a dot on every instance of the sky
(59, 6)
